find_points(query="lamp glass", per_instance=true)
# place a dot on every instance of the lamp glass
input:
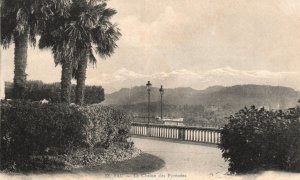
(148, 85)
(161, 90)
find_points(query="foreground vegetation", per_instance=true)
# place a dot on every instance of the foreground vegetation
(258, 139)
(38, 91)
(59, 136)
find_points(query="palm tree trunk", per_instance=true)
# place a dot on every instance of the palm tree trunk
(66, 77)
(80, 77)
(20, 61)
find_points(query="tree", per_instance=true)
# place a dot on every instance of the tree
(103, 34)
(75, 39)
(21, 22)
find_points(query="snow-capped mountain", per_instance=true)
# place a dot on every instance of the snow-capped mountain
(225, 76)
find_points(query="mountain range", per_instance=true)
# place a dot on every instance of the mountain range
(196, 79)
(235, 97)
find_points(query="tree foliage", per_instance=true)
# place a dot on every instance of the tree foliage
(74, 38)
(20, 15)
(256, 139)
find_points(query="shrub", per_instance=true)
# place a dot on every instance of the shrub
(106, 125)
(33, 130)
(36, 129)
(256, 139)
(37, 90)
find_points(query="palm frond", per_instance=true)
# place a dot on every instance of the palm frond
(18, 16)
(73, 37)
(22, 21)
(7, 28)
(107, 14)
(106, 40)
(91, 56)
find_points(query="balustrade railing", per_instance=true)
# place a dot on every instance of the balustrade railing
(183, 133)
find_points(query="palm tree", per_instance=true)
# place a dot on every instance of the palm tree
(75, 39)
(20, 23)
(103, 36)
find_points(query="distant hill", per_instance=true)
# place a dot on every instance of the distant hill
(139, 94)
(235, 97)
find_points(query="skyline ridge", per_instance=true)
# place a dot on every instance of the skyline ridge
(224, 76)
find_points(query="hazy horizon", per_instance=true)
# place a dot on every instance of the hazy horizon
(174, 87)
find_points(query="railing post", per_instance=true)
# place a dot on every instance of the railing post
(148, 130)
(181, 133)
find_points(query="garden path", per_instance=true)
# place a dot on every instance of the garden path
(184, 159)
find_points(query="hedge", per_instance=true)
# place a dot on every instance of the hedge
(31, 130)
(37, 91)
(257, 139)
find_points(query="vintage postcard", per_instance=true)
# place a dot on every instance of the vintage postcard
(150, 89)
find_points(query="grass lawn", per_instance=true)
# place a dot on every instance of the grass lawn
(145, 163)
(142, 164)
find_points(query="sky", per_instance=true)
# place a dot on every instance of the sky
(191, 43)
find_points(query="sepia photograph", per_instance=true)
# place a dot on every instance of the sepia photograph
(149, 89)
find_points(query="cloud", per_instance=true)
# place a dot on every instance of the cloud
(225, 76)
(165, 30)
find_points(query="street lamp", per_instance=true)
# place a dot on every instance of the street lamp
(148, 85)
(161, 90)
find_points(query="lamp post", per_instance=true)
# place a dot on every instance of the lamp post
(148, 85)
(161, 90)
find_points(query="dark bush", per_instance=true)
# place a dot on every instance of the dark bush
(33, 130)
(107, 125)
(37, 90)
(257, 139)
